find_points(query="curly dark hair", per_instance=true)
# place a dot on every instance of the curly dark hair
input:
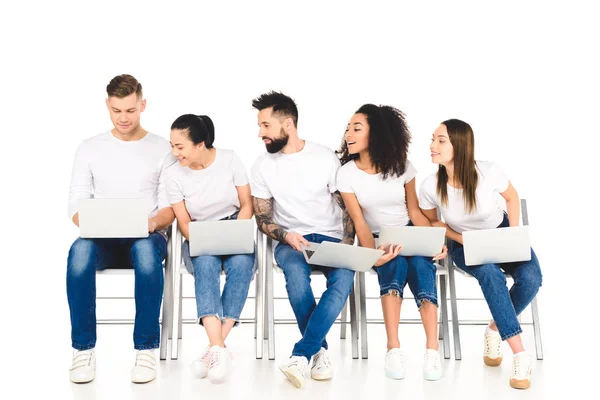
(389, 137)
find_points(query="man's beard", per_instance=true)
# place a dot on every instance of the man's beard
(277, 144)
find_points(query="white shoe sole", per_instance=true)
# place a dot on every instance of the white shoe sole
(321, 376)
(395, 375)
(296, 381)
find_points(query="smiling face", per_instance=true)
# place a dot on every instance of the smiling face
(272, 130)
(357, 134)
(183, 148)
(441, 149)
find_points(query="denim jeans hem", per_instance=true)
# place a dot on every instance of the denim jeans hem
(84, 346)
(236, 320)
(385, 290)
(424, 296)
(208, 315)
(147, 346)
(515, 333)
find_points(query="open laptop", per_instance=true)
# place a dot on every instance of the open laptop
(499, 245)
(426, 241)
(222, 237)
(113, 218)
(338, 255)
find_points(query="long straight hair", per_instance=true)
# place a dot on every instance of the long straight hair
(465, 170)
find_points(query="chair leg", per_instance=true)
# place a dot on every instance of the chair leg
(176, 316)
(444, 329)
(364, 345)
(344, 321)
(454, 305)
(537, 329)
(259, 300)
(354, 320)
(270, 300)
(166, 306)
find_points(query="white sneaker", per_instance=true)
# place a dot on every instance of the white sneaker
(321, 368)
(432, 368)
(492, 352)
(394, 364)
(144, 369)
(295, 369)
(201, 365)
(83, 367)
(521, 371)
(219, 364)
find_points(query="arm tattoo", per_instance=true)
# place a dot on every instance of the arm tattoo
(263, 212)
(349, 231)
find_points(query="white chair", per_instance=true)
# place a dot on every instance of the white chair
(179, 270)
(269, 331)
(453, 302)
(166, 306)
(441, 272)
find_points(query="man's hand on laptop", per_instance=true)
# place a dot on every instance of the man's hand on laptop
(295, 240)
(441, 255)
(152, 224)
(391, 252)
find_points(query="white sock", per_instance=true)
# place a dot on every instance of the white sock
(490, 331)
(520, 354)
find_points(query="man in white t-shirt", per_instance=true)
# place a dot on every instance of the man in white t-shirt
(296, 202)
(126, 162)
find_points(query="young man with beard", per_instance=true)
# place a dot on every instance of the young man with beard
(296, 202)
(125, 162)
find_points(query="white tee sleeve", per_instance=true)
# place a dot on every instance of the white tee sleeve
(498, 178)
(427, 195)
(173, 187)
(343, 180)
(240, 177)
(410, 172)
(335, 167)
(162, 197)
(81, 181)
(258, 186)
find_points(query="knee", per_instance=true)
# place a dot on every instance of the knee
(241, 265)
(489, 273)
(81, 257)
(342, 281)
(531, 278)
(145, 256)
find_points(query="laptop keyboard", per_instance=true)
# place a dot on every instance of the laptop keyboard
(309, 253)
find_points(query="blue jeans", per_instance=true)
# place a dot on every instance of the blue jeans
(419, 272)
(206, 270)
(88, 255)
(314, 320)
(504, 305)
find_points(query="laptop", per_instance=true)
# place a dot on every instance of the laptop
(338, 255)
(426, 241)
(222, 237)
(499, 245)
(113, 218)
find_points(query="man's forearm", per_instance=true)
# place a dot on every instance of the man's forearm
(263, 212)
(164, 218)
(349, 230)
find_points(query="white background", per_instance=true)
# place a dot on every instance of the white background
(523, 74)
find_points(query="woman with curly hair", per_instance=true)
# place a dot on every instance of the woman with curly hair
(377, 183)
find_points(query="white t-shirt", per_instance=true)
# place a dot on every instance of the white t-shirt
(109, 168)
(383, 202)
(488, 214)
(209, 194)
(301, 185)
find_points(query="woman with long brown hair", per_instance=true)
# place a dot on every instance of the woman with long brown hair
(465, 191)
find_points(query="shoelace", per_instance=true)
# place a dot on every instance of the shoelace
(82, 359)
(215, 358)
(205, 359)
(432, 360)
(497, 344)
(145, 360)
(321, 360)
(520, 367)
(397, 356)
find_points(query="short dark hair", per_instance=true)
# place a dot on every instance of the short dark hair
(282, 105)
(199, 128)
(389, 138)
(122, 86)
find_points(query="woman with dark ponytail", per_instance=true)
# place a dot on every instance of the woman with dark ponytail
(465, 191)
(377, 183)
(210, 184)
